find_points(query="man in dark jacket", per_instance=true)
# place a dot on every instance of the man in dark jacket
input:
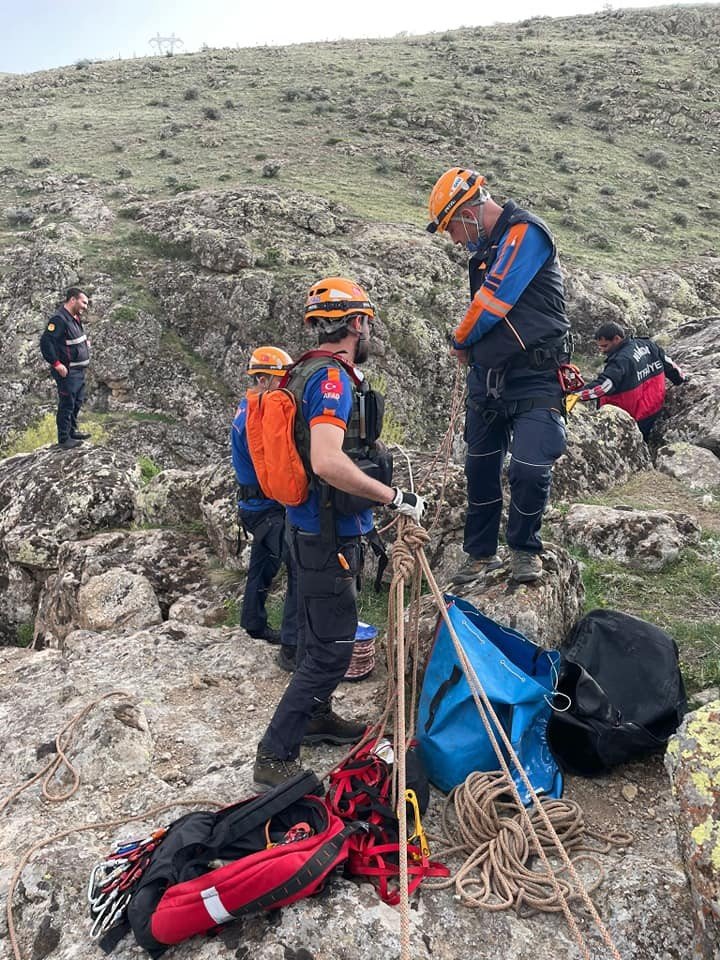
(65, 346)
(514, 337)
(633, 377)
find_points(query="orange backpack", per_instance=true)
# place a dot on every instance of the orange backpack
(270, 431)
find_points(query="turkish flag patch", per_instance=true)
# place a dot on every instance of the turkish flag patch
(331, 389)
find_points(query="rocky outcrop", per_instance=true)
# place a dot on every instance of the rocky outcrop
(117, 599)
(192, 705)
(693, 762)
(48, 498)
(125, 580)
(696, 467)
(604, 448)
(643, 539)
(692, 412)
(544, 611)
(650, 303)
(171, 498)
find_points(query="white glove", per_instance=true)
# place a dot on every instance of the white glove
(408, 504)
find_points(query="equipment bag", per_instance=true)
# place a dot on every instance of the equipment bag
(280, 847)
(360, 789)
(518, 678)
(270, 431)
(626, 693)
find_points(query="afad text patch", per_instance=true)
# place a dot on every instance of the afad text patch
(331, 389)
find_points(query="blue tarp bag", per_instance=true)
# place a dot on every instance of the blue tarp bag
(519, 679)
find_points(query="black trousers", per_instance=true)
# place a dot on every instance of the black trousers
(267, 554)
(71, 394)
(327, 622)
(535, 439)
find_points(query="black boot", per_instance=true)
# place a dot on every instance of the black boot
(77, 435)
(269, 770)
(287, 658)
(272, 636)
(68, 443)
(325, 725)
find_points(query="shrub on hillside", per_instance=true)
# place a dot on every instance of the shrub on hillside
(38, 162)
(211, 113)
(656, 158)
(192, 93)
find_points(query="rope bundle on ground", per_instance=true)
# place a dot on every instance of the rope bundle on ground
(480, 823)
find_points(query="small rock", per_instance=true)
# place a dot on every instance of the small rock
(630, 792)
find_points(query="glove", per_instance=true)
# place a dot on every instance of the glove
(408, 504)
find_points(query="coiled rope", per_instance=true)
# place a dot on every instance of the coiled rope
(481, 824)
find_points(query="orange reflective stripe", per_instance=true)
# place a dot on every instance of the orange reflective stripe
(514, 239)
(481, 301)
(468, 322)
(335, 421)
(491, 303)
(333, 373)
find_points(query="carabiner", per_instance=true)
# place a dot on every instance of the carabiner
(419, 833)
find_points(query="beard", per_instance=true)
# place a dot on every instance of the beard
(362, 350)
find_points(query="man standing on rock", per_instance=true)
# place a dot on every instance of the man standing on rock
(514, 338)
(337, 417)
(65, 346)
(264, 519)
(633, 377)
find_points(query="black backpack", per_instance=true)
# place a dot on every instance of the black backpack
(625, 689)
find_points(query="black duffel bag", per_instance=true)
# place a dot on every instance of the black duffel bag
(626, 695)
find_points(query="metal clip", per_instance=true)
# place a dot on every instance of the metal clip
(419, 833)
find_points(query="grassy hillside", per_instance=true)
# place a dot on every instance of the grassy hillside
(607, 125)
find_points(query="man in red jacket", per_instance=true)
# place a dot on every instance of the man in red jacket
(633, 377)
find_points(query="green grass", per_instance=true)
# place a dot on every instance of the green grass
(232, 613)
(682, 599)
(148, 468)
(593, 121)
(44, 431)
(24, 633)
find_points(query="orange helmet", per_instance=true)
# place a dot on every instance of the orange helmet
(334, 299)
(455, 187)
(269, 360)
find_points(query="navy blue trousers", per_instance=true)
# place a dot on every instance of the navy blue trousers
(71, 393)
(535, 440)
(267, 554)
(327, 623)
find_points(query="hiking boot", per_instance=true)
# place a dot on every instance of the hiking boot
(328, 727)
(476, 567)
(272, 636)
(69, 443)
(269, 770)
(525, 567)
(287, 658)
(76, 435)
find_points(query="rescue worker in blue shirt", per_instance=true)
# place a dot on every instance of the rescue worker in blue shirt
(65, 346)
(264, 519)
(514, 339)
(325, 532)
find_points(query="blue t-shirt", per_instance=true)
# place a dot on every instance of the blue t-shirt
(328, 398)
(242, 462)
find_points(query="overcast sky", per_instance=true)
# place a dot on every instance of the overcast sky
(37, 34)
